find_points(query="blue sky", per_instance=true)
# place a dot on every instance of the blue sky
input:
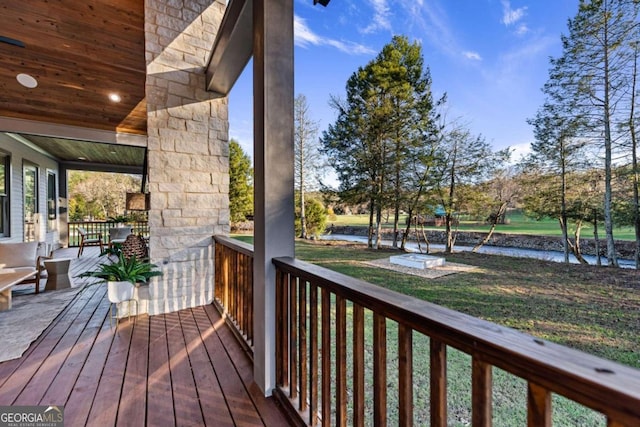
(491, 57)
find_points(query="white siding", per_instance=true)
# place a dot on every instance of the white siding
(21, 153)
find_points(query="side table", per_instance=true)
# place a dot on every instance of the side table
(58, 274)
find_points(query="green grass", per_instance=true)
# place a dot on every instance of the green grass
(518, 224)
(585, 307)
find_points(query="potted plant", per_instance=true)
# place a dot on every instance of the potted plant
(123, 275)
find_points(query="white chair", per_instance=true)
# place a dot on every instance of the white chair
(118, 235)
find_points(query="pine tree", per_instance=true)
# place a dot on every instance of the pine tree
(593, 75)
(240, 183)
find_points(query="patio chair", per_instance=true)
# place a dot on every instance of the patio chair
(89, 239)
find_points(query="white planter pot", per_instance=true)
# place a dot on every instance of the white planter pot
(120, 291)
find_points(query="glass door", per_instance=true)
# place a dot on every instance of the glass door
(30, 206)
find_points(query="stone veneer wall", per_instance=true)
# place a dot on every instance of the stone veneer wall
(187, 151)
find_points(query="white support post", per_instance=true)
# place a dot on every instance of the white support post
(273, 170)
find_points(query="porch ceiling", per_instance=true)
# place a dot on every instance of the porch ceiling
(79, 52)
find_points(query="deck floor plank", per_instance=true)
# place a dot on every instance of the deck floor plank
(105, 404)
(20, 378)
(237, 397)
(213, 402)
(182, 368)
(54, 362)
(159, 391)
(70, 371)
(243, 365)
(78, 405)
(185, 396)
(132, 412)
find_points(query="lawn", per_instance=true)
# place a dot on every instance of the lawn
(594, 309)
(518, 223)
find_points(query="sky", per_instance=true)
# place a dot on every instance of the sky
(491, 58)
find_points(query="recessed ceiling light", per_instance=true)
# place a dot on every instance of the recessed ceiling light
(82, 158)
(26, 80)
(114, 97)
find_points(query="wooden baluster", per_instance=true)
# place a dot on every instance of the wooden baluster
(358, 365)
(226, 266)
(281, 329)
(216, 271)
(250, 299)
(379, 370)
(232, 281)
(240, 296)
(405, 375)
(326, 358)
(538, 406)
(481, 412)
(302, 344)
(313, 356)
(341, 361)
(438, 381)
(293, 338)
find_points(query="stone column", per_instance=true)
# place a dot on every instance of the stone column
(188, 151)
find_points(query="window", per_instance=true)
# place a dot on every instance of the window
(30, 206)
(4, 194)
(52, 200)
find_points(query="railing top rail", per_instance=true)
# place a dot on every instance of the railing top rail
(237, 245)
(601, 384)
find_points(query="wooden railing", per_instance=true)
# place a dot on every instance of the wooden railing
(325, 376)
(139, 227)
(233, 294)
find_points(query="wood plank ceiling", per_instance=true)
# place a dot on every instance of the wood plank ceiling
(79, 52)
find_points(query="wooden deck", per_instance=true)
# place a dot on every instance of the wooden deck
(182, 368)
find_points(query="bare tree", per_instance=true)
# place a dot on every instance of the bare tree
(308, 159)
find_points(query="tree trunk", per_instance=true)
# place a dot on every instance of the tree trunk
(596, 237)
(634, 157)
(448, 232)
(608, 215)
(575, 248)
(396, 225)
(379, 226)
(494, 221)
(565, 239)
(407, 229)
(372, 206)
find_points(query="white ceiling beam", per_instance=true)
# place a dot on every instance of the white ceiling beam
(232, 48)
(54, 130)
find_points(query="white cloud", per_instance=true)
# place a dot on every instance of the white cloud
(380, 17)
(305, 37)
(519, 151)
(511, 16)
(472, 55)
(522, 29)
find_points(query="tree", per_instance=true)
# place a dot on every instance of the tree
(557, 151)
(593, 75)
(308, 159)
(240, 183)
(99, 195)
(463, 159)
(316, 218)
(497, 194)
(382, 120)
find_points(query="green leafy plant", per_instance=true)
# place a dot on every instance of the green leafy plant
(119, 219)
(125, 270)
